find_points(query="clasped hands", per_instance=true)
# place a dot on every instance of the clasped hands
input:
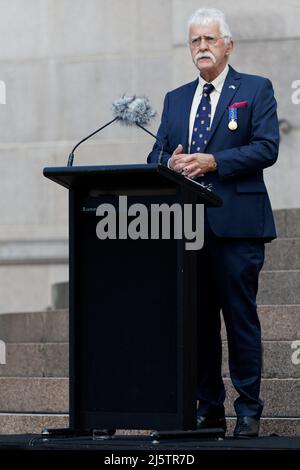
(191, 165)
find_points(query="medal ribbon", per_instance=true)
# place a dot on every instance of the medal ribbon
(232, 114)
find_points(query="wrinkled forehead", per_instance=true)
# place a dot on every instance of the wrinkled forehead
(209, 27)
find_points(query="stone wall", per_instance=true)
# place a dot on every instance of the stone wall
(64, 62)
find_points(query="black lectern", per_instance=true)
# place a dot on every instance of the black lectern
(132, 303)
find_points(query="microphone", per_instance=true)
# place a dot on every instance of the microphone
(136, 110)
(128, 110)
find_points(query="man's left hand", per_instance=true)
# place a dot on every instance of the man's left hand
(195, 164)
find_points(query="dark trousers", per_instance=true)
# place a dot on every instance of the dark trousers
(229, 270)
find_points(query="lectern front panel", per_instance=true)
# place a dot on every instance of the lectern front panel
(128, 301)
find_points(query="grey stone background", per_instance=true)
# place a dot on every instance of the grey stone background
(64, 62)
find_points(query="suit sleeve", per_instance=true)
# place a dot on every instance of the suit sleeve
(262, 150)
(162, 134)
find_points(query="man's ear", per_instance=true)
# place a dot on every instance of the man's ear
(229, 47)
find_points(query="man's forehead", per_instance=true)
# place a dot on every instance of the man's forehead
(210, 28)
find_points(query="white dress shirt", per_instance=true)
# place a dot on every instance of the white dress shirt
(218, 83)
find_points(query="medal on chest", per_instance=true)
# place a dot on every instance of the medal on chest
(232, 118)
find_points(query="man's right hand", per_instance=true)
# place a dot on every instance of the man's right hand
(173, 160)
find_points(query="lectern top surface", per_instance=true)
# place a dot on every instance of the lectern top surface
(137, 175)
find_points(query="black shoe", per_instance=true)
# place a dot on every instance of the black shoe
(206, 422)
(246, 427)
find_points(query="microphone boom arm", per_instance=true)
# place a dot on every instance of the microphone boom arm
(155, 137)
(71, 156)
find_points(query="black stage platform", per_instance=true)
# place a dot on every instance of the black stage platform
(137, 451)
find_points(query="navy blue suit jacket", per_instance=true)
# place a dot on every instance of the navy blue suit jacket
(241, 155)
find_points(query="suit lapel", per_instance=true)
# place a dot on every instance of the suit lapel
(230, 87)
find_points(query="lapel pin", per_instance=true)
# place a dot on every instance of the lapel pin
(232, 86)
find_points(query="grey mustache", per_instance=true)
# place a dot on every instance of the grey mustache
(200, 55)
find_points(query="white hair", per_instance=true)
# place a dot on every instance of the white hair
(204, 16)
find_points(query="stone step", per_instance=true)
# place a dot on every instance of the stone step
(23, 423)
(280, 322)
(280, 360)
(276, 287)
(287, 223)
(36, 360)
(50, 395)
(282, 254)
(279, 287)
(35, 327)
(34, 394)
(281, 397)
(60, 295)
(268, 426)
(284, 283)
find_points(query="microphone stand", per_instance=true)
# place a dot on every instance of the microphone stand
(156, 138)
(71, 156)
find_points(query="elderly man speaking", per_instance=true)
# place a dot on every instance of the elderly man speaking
(222, 129)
